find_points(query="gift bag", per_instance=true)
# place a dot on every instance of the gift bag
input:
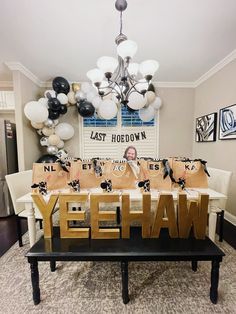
(50, 173)
(158, 172)
(89, 173)
(121, 174)
(190, 173)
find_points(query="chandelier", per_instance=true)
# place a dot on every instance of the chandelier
(120, 78)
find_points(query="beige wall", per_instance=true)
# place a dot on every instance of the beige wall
(27, 139)
(217, 92)
(176, 121)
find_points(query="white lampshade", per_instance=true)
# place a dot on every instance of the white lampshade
(133, 68)
(142, 85)
(127, 48)
(148, 67)
(107, 64)
(95, 75)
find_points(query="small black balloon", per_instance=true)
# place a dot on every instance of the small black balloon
(63, 109)
(86, 109)
(151, 88)
(53, 115)
(47, 159)
(54, 104)
(61, 85)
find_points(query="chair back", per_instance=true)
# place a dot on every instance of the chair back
(219, 181)
(19, 183)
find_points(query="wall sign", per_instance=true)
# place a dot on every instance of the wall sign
(118, 138)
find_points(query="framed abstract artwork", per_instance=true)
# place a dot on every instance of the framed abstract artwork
(227, 123)
(206, 128)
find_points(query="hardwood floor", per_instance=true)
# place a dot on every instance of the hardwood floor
(8, 234)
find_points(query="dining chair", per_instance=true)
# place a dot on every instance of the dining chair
(19, 183)
(219, 181)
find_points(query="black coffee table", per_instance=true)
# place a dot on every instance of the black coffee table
(125, 250)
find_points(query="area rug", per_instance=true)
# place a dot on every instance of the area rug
(95, 287)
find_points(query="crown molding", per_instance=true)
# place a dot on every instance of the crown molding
(17, 66)
(4, 84)
(216, 68)
(175, 84)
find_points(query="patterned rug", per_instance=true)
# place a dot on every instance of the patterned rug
(86, 287)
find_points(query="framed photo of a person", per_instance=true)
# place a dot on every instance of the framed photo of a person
(206, 128)
(227, 123)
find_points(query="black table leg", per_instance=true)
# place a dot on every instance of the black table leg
(194, 265)
(53, 265)
(215, 265)
(125, 290)
(35, 281)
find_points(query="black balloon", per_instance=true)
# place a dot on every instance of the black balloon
(151, 88)
(47, 159)
(63, 109)
(61, 85)
(53, 115)
(86, 109)
(54, 104)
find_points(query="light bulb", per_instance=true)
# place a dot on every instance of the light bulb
(148, 67)
(127, 49)
(95, 75)
(107, 64)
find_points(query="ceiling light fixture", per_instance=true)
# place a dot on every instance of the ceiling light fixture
(127, 81)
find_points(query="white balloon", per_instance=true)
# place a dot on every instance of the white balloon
(37, 125)
(50, 93)
(96, 102)
(150, 97)
(157, 103)
(47, 131)
(79, 95)
(60, 144)
(107, 109)
(62, 98)
(71, 98)
(147, 114)
(91, 95)
(44, 101)
(85, 87)
(36, 112)
(136, 101)
(53, 140)
(64, 130)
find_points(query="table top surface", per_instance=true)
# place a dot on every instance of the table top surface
(136, 195)
(135, 248)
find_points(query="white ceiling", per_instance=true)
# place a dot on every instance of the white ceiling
(65, 37)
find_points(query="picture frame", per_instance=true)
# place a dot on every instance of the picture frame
(206, 126)
(227, 123)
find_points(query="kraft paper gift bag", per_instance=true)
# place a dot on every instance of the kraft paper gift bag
(51, 173)
(158, 174)
(121, 174)
(87, 173)
(192, 173)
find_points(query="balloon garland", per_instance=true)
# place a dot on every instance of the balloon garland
(44, 114)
